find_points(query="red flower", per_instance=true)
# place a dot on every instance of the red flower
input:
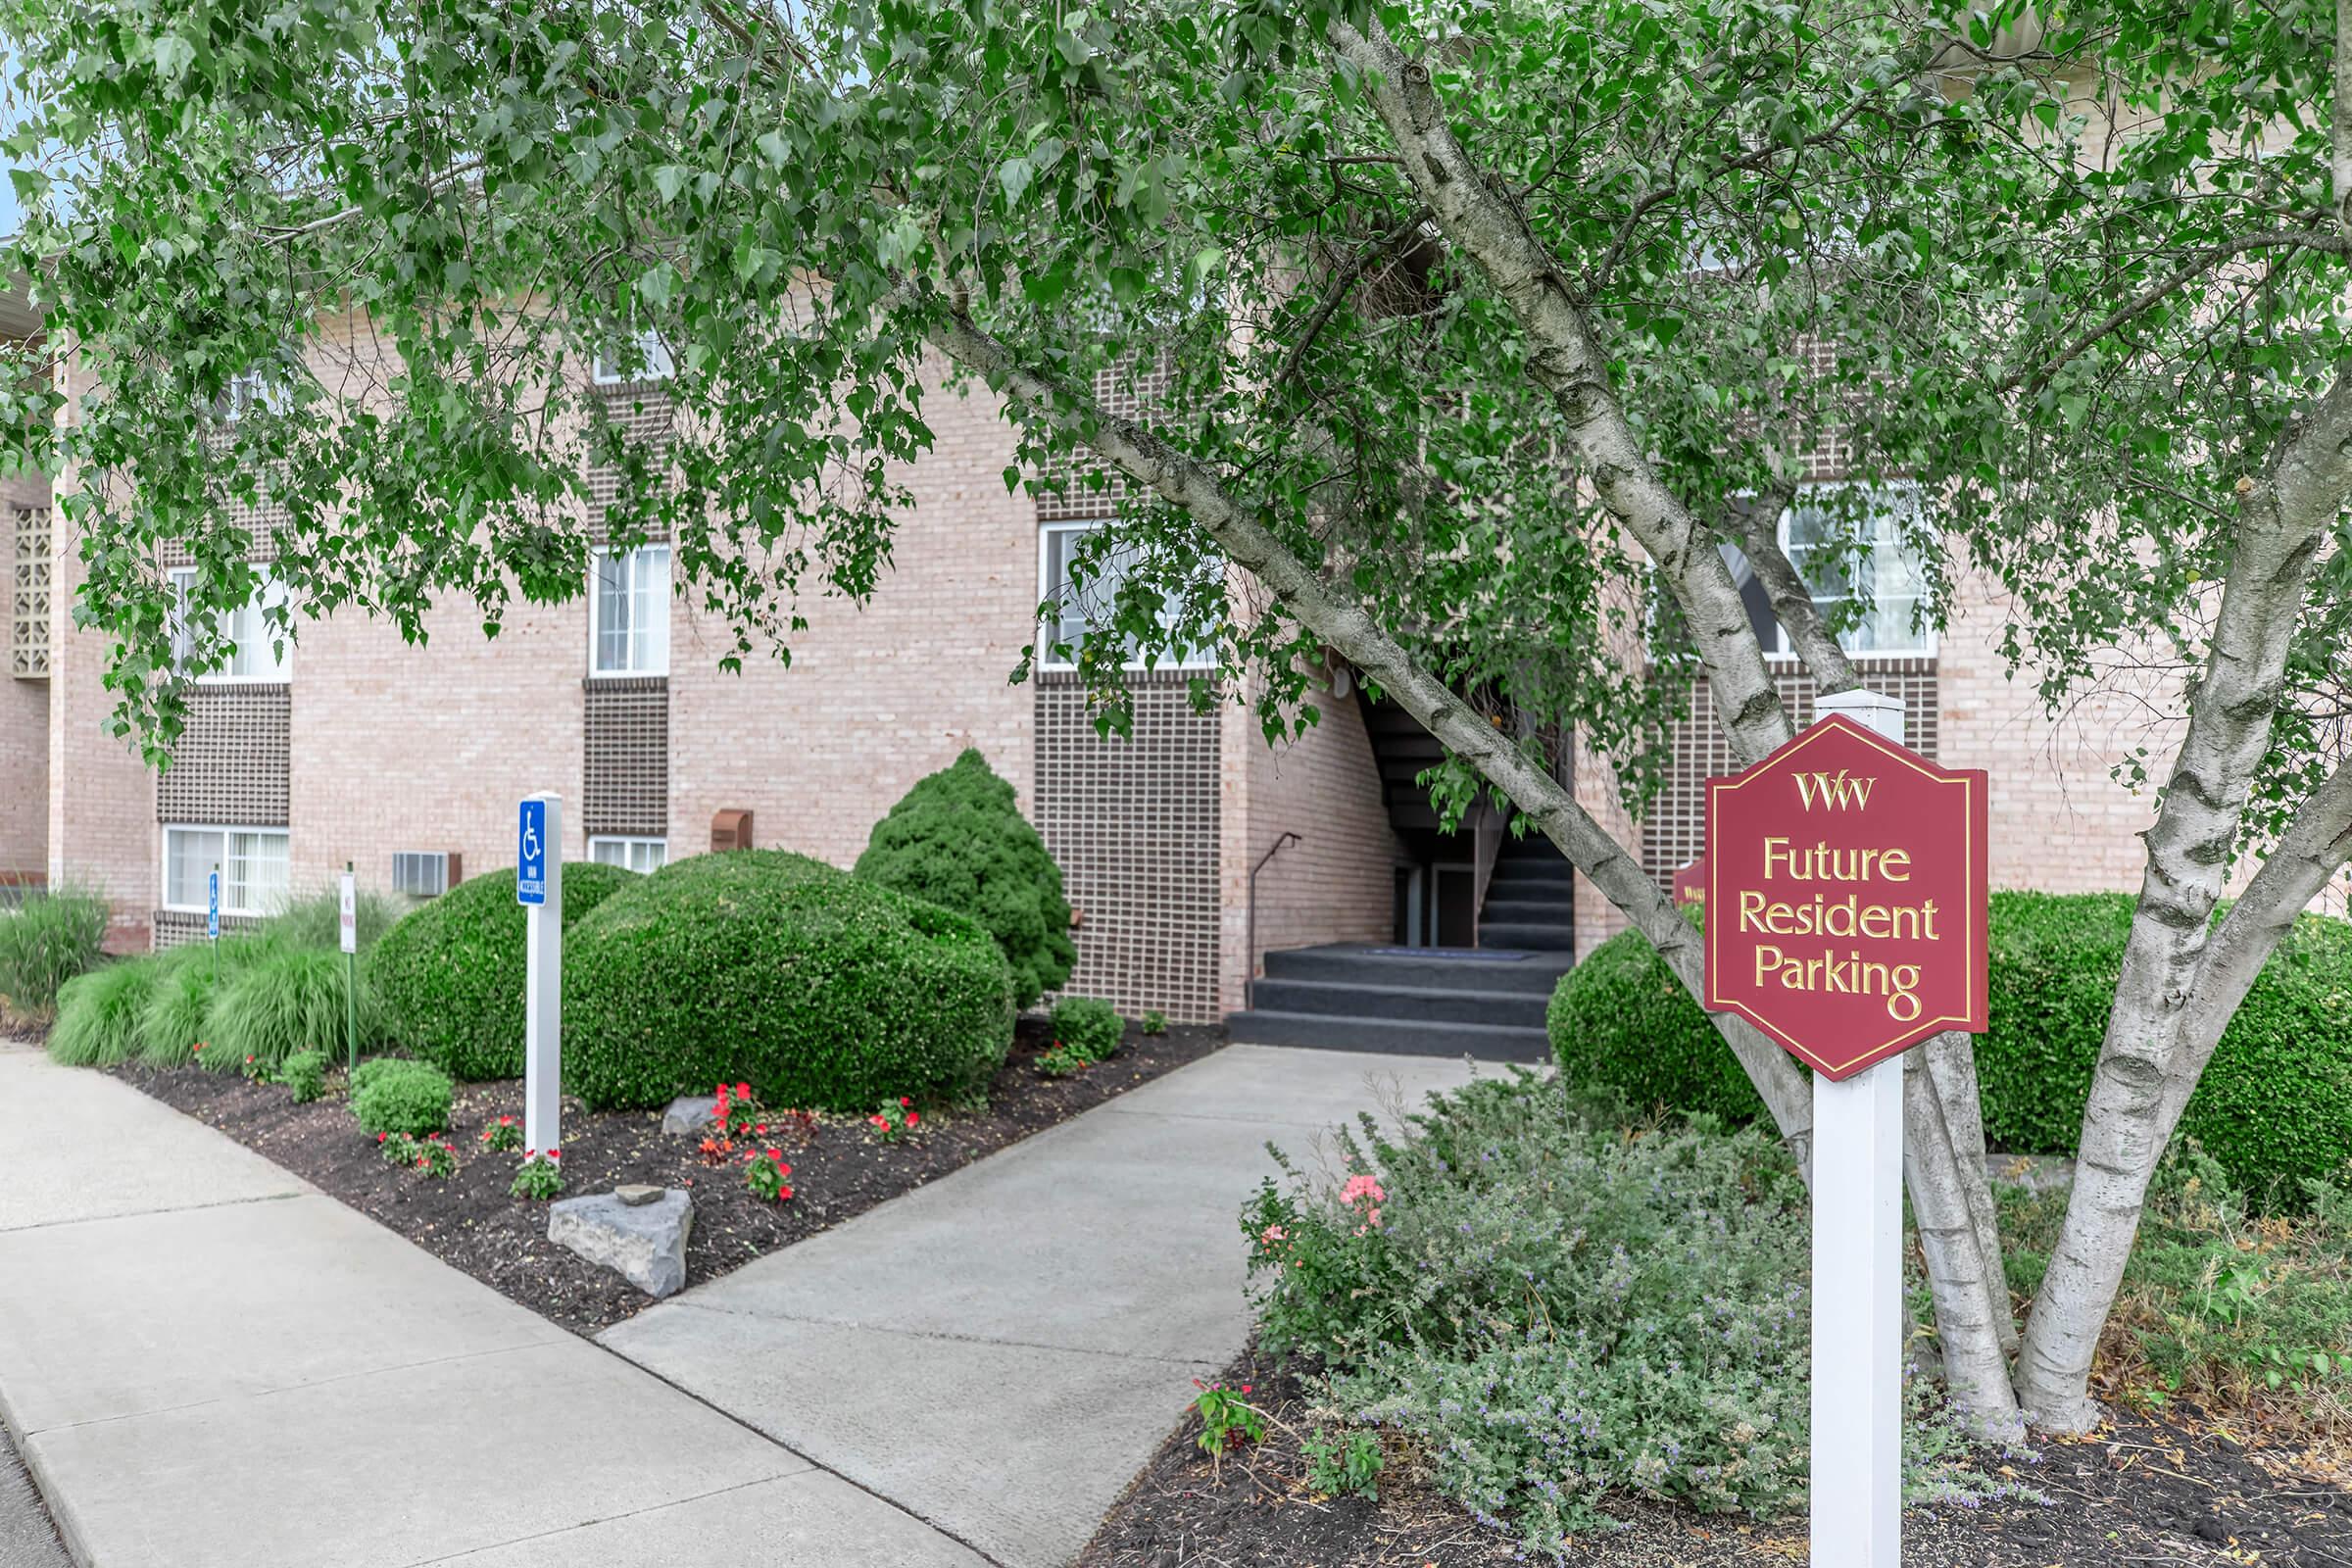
(760, 1128)
(905, 1099)
(743, 1091)
(555, 1153)
(528, 1153)
(912, 1118)
(782, 1193)
(879, 1120)
(778, 1158)
(1244, 1388)
(380, 1137)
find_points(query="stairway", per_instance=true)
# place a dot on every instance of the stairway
(1485, 1000)
(1416, 1002)
(1529, 899)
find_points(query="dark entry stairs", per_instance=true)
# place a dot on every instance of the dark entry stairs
(1416, 1002)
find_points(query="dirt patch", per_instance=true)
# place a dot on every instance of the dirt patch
(472, 1222)
(2141, 1492)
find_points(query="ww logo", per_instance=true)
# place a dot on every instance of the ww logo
(1836, 791)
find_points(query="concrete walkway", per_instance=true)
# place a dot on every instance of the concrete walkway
(205, 1361)
(999, 1352)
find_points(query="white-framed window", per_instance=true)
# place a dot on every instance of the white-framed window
(628, 612)
(257, 655)
(631, 854)
(647, 359)
(1818, 534)
(251, 861)
(259, 388)
(1071, 620)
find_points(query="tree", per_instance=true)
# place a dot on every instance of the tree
(958, 839)
(1471, 337)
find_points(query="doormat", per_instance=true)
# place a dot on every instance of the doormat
(1474, 955)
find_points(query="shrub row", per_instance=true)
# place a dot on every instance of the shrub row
(45, 942)
(2275, 1105)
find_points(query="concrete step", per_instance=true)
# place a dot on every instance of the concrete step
(1537, 936)
(1406, 1037)
(1514, 872)
(1525, 907)
(1342, 965)
(1519, 1009)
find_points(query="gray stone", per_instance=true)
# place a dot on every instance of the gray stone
(637, 1194)
(689, 1114)
(644, 1244)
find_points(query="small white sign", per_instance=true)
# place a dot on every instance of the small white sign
(351, 914)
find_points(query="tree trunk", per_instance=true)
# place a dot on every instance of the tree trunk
(1567, 362)
(1973, 1320)
(2283, 520)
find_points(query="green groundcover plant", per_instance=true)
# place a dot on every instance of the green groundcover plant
(286, 999)
(958, 840)
(2273, 1107)
(45, 942)
(817, 988)
(1554, 1308)
(448, 974)
(393, 1095)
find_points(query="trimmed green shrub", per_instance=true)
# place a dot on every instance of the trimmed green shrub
(447, 976)
(1088, 1028)
(45, 942)
(2275, 1105)
(284, 999)
(958, 840)
(395, 1096)
(98, 1014)
(820, 989)
(317, 920)
(304, 1075)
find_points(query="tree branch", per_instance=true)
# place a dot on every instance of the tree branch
(1341, 284)
(1791, 596)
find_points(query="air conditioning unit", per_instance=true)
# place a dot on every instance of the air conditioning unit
(730, 830)
(427, 873)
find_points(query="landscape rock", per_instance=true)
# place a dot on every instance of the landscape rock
(644, 1244)
(689, 1114)
(637, 1194)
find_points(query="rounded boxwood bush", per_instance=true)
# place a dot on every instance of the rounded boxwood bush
(2275, 1105)
(820, 989)
(394, 1095)
(447, 976)
(958, 840)
(281, 1001)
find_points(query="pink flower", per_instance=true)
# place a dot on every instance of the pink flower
(1273, 1236)
(1361, 1188)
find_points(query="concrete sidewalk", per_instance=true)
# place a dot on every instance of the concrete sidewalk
(206, 1361)
(999, 1352)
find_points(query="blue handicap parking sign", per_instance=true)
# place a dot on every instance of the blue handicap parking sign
(212, 910)
(530, 854)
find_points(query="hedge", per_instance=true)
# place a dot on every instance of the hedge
(390, 1095)
(447, 976)
(2275, 1105)
(820, 989)
(958, 840)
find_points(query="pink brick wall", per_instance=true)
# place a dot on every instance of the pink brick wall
(1336, 883)
(1597, 919)
(876, 697)
(23, 714)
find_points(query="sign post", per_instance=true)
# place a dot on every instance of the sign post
(349, 905)
(1846, 919)
(212, 919)
(539, 889)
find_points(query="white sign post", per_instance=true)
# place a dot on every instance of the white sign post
(539, 889)
(1857, 1475)
(349, 910)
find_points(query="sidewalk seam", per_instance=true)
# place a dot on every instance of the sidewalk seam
(605, 1519)
(307, 1191)
(928, 1334)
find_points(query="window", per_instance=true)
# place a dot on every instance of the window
(251, 861)
(248, 390)
(258, 655)
(646, 360)
(1818, 534)
(631, 854)
(423, 874)
(1069, 620)
(628, 612)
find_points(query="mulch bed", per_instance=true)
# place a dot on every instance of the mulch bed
(470, 1221)
(2141, 1493)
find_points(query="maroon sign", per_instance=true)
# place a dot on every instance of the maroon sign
(1691, 882)
(1846, 897)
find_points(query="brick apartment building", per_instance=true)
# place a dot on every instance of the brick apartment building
(1187, 849)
